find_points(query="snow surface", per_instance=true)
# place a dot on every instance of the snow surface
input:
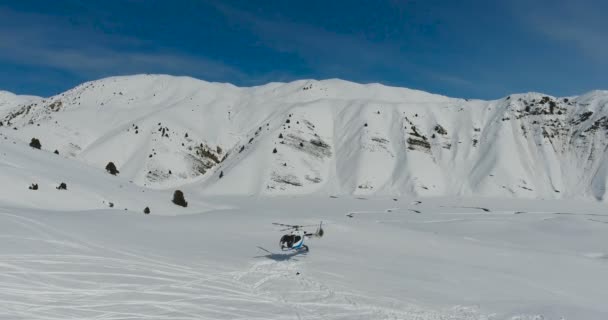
(508, 227)
(386, 262)
(65, 254)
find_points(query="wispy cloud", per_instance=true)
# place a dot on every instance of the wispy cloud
(47, 42)
(334, 54)
(580, 24)
(87, 52)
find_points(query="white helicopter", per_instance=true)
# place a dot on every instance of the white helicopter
(295, 239)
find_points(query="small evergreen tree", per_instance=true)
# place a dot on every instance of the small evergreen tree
(178, 198)
(147, 210)
(221, 174)
(56, 151)
(62, 186)
(274, 150)
(34, 186)
(111, 168)
(35, 143)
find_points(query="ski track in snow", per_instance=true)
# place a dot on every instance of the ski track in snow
(86, 280)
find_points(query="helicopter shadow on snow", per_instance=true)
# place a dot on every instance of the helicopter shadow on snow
(283, 256)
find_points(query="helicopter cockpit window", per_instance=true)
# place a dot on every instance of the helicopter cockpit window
(297, 238)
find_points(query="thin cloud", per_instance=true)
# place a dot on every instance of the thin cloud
(87, 53)
(333, 54)
(313, 44)
(581, 24)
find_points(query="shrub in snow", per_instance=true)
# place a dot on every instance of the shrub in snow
(62, 186)
(274, 150)
(111, 168)
(441, 130)
(280, 136)
(147, 210)
(35, 143)
(301, 145)
(178, 198)
(111, 204)
(56, 151)
(34, 186)
(221, 174)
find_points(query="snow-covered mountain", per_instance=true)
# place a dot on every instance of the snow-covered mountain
(321, 137)
(10, 100)
(89, 252)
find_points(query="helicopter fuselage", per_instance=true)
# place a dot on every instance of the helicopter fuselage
(293, 241)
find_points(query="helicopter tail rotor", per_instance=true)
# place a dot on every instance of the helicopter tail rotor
(320, 231)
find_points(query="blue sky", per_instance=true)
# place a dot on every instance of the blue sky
(462, 48)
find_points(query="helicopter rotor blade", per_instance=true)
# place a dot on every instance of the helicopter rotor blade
(284, 225)
(292, 226)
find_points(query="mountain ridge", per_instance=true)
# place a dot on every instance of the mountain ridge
(330, 136)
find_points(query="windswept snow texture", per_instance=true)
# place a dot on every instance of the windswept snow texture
(450, 261)
(331, 137)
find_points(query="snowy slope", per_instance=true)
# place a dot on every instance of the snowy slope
(330, 136)
(10, 100)
(88, 188)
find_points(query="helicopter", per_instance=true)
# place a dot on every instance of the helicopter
(295, 239)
